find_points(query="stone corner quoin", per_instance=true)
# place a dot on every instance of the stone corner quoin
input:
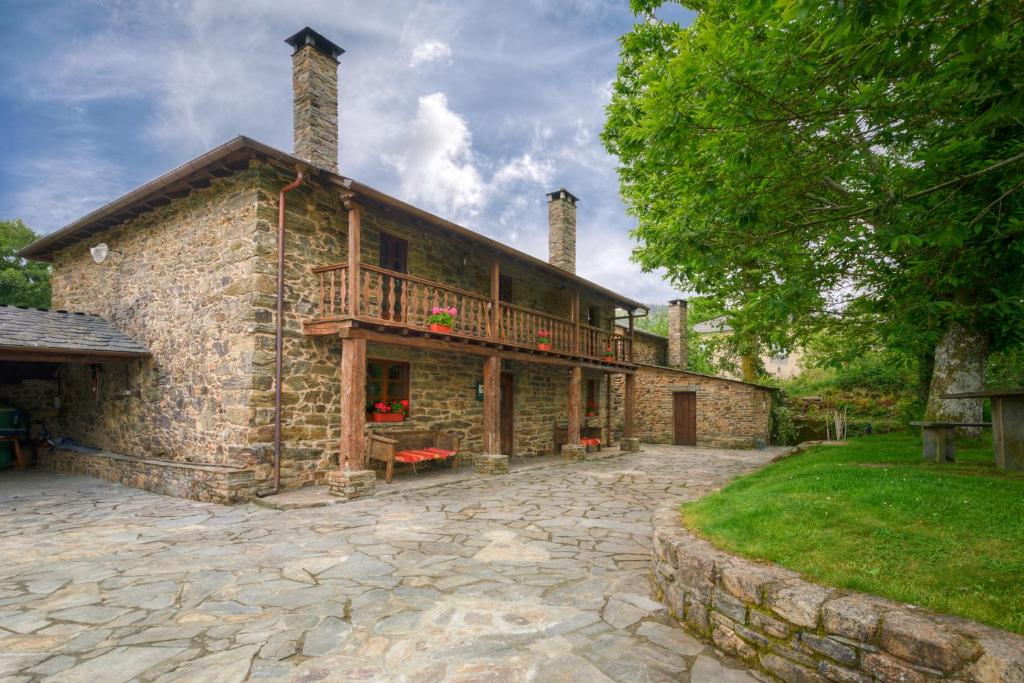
(797, 630)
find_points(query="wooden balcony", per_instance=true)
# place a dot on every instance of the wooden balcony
(396, 302)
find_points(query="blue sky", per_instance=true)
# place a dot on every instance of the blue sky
(472, 110)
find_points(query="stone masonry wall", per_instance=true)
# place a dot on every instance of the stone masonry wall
(35, 396)
(184, 285)
(649, 350)
(730, 414)
(317, 228)
(800, 631)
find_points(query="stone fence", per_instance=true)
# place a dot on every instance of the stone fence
(800, 631)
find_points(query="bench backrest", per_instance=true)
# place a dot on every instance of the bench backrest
(413, 440)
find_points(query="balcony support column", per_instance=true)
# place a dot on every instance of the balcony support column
(573, 450)
(492, 404)
(629, 356)
(355, 220)
(352, 455)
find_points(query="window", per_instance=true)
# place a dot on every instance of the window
(386, 381)
(394, 253)
(592, 404)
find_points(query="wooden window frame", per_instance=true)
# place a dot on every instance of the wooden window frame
(382, 239)
(385, 365)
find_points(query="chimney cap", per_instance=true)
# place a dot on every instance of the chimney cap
(677, 302)
(308, 36)
(562, 194)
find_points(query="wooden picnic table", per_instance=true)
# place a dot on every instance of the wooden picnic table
(1007, 424)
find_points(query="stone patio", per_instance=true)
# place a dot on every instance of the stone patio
(540, 575)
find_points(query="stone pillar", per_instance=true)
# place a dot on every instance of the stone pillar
(678, 355)
(315, 98)
(562, 230)
(352, 484)
(352, 454)
(491, 463)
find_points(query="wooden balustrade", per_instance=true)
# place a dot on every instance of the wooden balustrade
(333, 290)
(405, 300)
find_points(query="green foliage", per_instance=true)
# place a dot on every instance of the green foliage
(811, 164)
(655, 322)
(22, 282)
(1006, 369)
(784, 432)
(872, 516)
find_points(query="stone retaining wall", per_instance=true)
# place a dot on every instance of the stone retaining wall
(801, 631)
(211, 483)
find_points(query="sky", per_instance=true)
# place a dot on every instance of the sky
(470, 110)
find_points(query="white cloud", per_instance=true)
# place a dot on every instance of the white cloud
(525, 168)
(431, 51)
(437, 165)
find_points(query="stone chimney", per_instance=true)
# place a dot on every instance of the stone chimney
(678, 354)
(562, 229)
(315, 98)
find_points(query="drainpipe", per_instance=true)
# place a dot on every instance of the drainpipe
(279, 324)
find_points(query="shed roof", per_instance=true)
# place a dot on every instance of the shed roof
(225, 159)
(60, 336)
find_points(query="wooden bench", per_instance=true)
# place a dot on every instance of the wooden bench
(940, 438)
(589, 437)
(411, 448)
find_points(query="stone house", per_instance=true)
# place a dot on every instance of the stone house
(279, 301)
(690, 408)
(781, 364)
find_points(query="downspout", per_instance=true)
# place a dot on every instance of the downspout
(279, 324)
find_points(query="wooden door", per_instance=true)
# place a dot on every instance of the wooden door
(684, 405)
(507, 412)
(393, 255)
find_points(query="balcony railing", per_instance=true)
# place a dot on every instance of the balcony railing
(402, 300)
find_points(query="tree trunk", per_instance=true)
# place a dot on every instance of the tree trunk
(960, 359)
(748, 367)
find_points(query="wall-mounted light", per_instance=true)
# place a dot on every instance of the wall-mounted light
(101, 251)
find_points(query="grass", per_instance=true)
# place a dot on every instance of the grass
(872, 516)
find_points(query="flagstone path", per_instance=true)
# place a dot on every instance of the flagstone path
(535, 576)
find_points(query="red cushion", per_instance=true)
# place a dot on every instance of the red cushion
(413, 456)
(593, 441)
(440, 453)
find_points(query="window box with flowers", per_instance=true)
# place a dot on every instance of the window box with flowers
(441, 319)
(544, 340)
(390, 412)
(591, 409)
(609, 355)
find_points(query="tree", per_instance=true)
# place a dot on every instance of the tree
(814, 164)
(22, 282)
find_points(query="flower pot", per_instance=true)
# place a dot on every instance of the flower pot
(543, 347)
(388, 417)
(591, 414)
(443, 329)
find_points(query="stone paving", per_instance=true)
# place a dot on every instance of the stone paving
(536, 576)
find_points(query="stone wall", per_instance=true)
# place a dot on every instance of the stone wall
(212, 483)
(649, 349)
(800, 631)
(730, 414)
(184, 284)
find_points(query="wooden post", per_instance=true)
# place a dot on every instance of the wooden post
(353, 404)
(628, 406)
(630, 342)
(495, 304)
(575, 317)
(355, 216)
(492, 405)
(575, 380)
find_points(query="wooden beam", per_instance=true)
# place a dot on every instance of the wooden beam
(608, 408)
(35, 355)
(355, 221)
(353, 404)
(495, 301)
(575, 380)
(630, 356)
(445, 345)
(629, 407)
(492, 405)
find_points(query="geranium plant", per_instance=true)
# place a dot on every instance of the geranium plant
(439, 315)
(543, 336)
(591, 408)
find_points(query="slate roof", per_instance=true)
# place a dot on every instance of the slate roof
(33, 330)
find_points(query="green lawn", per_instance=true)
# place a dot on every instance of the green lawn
(871, 516)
